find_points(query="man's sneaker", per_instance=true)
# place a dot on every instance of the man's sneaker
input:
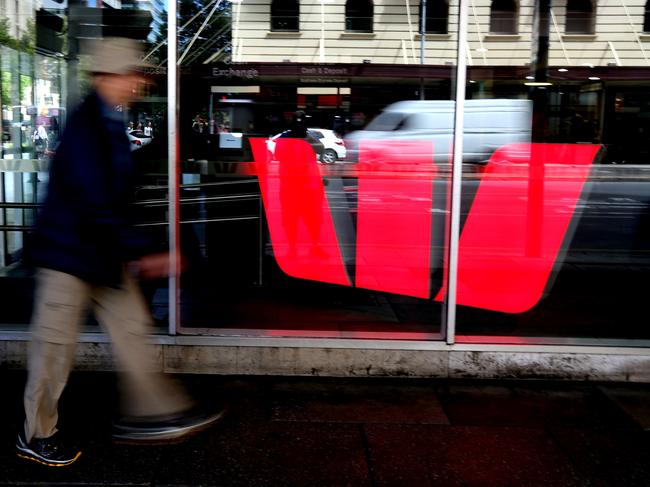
(164, 428)
(46, 451)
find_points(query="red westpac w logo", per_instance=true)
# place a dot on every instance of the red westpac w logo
(391, 239)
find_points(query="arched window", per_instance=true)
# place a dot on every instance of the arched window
(646, 17)
(437, 17)
(359, 15)
(579, 17)
(285, 15)
(504, 17)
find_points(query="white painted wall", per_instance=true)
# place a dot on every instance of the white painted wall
(619, 25)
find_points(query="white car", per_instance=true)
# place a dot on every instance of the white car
(138, 139)
(328, 146)
(334, 147)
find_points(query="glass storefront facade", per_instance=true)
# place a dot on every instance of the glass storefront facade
(388, 169)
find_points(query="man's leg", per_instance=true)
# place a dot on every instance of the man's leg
(60, 306)
(156, 408)
(124, 314)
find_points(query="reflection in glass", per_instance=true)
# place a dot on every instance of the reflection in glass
(437, 18)
(580, 18)
(554, 238)
(285, 15)
(42, 65)
(359, 15)
(504, 17)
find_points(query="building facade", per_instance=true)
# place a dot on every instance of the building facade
(501, 33)
(508, 238)
(18, 15)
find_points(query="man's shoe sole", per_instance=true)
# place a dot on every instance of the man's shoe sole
(29, 455)
(164, 435)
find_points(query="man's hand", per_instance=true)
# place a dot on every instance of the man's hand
(154, 266)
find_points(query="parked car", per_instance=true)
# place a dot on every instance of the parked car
(328, 146)
(138, 139)
(334, 147)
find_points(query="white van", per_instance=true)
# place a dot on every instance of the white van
(489, 124)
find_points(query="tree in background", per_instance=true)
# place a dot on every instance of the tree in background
(213, 42)
(24, 43)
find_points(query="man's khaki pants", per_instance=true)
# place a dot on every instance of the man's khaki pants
(61, 305)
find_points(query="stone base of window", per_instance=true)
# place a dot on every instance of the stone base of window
(502, 37)
(283, 34)
(578, 37)
(644, 37)
(433, 37)
(357, 35)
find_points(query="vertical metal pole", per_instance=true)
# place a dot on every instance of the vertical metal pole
(322, 31)
(260, 256)
(411, 36)
(172, 176)
(540, 97)
(72, 59)
(212, 122)
(236, 49)
(16, 132)
(541, 39)
(423, 34)
(423, 29)
(456, 175)
(5, 244)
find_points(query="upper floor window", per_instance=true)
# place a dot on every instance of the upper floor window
(646, 17)
(285, 15)
(579, 17)
(359, 15)
(437, 17)
(504, 17)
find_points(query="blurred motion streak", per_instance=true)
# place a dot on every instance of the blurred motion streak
(517, 226)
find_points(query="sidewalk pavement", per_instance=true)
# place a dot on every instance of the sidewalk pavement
(283, 431)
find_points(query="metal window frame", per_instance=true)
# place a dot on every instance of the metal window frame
(447, 327)
(447, 337)
(173, 167)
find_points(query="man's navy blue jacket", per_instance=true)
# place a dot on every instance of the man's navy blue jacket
(85, 227)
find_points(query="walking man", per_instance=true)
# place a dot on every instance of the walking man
(87, 253)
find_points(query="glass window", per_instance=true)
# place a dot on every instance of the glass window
(359, 15)
(386, 121)
(43, 77)
(285, 15)
(646, 18)
(504, 17)
(313, 214)
(437, 17)
(315, 175)
(580, 17)
(554, 194)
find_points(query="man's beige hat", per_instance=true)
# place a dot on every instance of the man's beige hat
(116, 55)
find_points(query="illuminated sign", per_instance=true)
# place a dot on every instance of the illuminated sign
(510, 242)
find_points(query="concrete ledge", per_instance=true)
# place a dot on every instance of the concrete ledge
(460, 361)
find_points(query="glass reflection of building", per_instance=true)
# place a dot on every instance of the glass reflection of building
(246, 67)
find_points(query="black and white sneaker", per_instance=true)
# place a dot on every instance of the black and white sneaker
(46, 451)
(164, 428)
